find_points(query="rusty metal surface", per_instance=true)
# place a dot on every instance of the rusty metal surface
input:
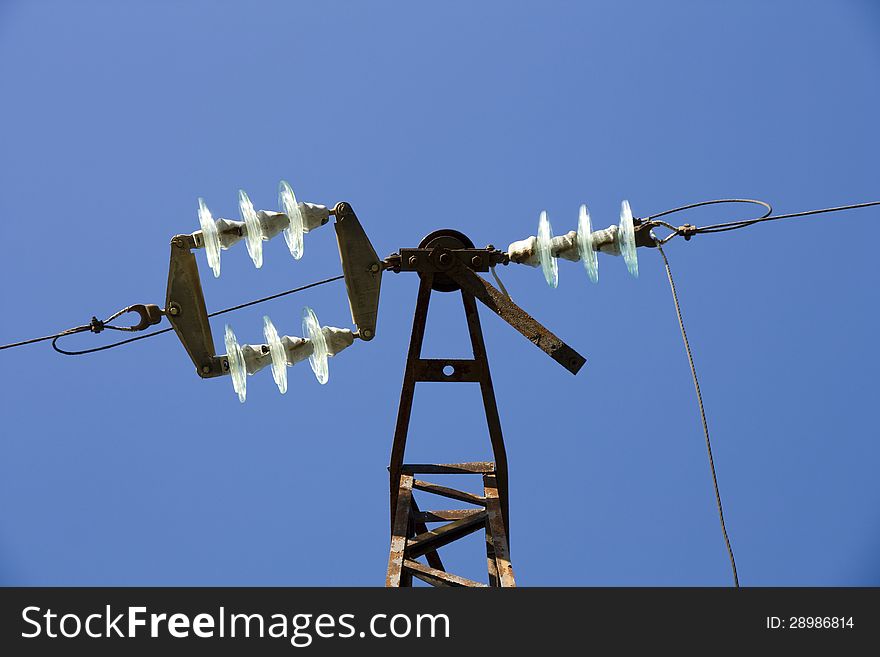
(438, 577)
(399, 533)
(445, 534)
(451, 493)
(493, 420)
(449, 258)
(440, 251)
(407, 391)
(518, 318)
(418, 526)
(495, 529)
(418, 369)
(432, 259)
(442, 515)
(477, 467)
(362, 269)
(185, 309)
(411, 539)
(491, 565)
(461, 370)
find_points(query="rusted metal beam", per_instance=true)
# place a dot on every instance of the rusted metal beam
(490, 405)
(518, 318)
(477, 467)
(490, 559)
(444, 515)
(438, 577)
(437, 538)
(451, 493)
(419, 527)
(495, 528)
(399, 532)
(404, 411)
(432, 370)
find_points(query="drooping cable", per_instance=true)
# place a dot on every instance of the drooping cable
(690, 358)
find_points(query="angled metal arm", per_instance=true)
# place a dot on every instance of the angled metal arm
(362, 269)
(518, 318)
(185, 309)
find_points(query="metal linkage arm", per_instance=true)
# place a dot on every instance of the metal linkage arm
(362, 269)
(518, 318)
(185, 309)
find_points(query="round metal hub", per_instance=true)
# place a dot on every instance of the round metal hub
(445, 239)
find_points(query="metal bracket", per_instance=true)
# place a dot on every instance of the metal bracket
(149, 314)
(442, 259)
(185, 309)
(362, 269)
(643, 233)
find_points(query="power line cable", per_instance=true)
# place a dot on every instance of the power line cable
(106, 346)
(96, 325)
(276, 296)
(733, 225)
(34, 340)
(688, 230)
(690, 357)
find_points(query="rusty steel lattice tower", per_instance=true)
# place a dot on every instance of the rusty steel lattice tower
(447, 261)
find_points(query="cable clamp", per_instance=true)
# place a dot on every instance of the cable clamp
(149, 313)
(687, 231)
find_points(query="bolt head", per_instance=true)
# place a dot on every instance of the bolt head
(476, 261)
(174, 309)
(375, 267)
(367, 333)
(445, 259)
(206, 369)
(413, 261)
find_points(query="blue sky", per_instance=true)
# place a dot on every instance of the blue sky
(125, 468)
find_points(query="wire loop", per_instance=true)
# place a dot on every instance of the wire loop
(151, 314)
(689, 230)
